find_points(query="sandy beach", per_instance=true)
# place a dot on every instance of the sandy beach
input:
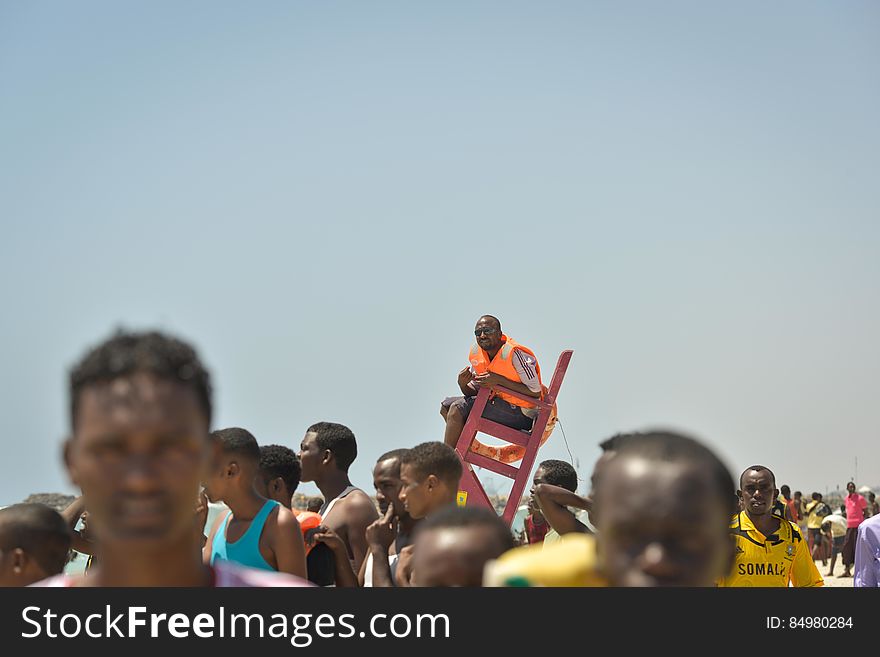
(835, 581)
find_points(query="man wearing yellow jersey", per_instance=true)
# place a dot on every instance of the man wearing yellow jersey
(816, 512)
(770, 551)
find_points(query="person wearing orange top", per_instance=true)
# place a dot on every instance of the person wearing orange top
(791, 510)
(495, 360)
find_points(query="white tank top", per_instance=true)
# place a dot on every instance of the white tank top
(328, 506)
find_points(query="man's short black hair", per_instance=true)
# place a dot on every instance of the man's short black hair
(434, 458)
(757, 468)
(38, 530)
(238, 441)
(393, 454)
(785, 490)
(494, 319)
(396, 454)
(560, 473)
(797, 492)
(454, 517)
(127, 353)
(672, 447)
(339, 439)
(280, 461)
(613, 443)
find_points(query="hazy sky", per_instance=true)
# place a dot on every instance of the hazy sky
(325, 196)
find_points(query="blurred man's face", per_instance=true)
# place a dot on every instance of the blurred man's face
(138, 452)
(850, 488)
(663, 524)
(386, 481)
(453, 556)
(758, 492)
(415, 494)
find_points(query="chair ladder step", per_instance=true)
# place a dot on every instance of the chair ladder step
(492, 464)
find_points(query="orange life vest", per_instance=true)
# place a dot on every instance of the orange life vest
(502, 364)
(308, 520)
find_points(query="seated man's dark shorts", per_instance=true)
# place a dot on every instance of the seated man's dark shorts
(496, 410)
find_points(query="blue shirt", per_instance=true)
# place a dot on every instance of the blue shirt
(246, 550)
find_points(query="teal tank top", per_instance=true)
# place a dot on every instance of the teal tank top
(246, 550)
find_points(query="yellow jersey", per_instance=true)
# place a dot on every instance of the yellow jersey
(773, 560)
(816, 512)
(569, 561)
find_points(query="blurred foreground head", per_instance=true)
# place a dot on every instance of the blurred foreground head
(665, 501)
(454, 544)
(34, 541)
(140, 411)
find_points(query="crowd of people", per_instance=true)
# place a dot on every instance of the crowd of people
(662, 509)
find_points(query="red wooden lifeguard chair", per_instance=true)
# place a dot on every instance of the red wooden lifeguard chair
(470, 489)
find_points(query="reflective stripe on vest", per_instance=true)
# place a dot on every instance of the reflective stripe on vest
(502, 365)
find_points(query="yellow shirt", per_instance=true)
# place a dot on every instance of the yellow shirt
(569, 561)
(814, 520)
(551, 537)
(773, 560)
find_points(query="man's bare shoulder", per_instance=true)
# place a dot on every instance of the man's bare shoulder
(280, 522)
(284, 517)
(358, 505)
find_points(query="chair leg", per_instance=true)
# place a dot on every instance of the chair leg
(471, 491)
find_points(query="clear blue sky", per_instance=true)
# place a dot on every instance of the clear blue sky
(324, 197)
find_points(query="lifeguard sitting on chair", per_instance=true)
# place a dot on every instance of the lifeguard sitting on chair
(495, 360)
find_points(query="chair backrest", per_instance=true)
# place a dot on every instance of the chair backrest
(558, 375)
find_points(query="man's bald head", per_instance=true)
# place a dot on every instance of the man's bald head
(34, 543)
(453, 546)
(491, 320)
(759, 468)
(665, 501)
